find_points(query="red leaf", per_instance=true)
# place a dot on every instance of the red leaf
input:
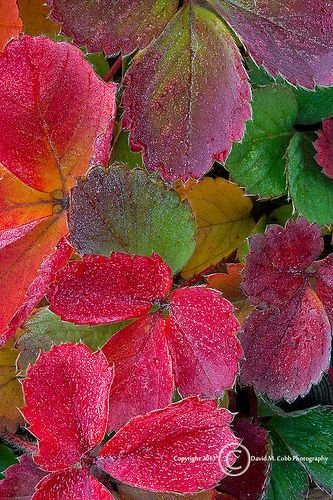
(21, 479)
(287, 347)
(73, 484)
(324, 147)
(106, 290)
(201, 332)
(22, 253)
(143, 372)
(11, 24)
(183, 140)
(277, 261)
(290, 37)
(112, 26)
(39, 286)
(324, 285)
(253, 482)
(66, 397)
(65, 108)
(174, 449)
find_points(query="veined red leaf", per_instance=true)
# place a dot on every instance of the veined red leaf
(66, 403)
(21, 479)
(143, 371)
(286, 348)
(324, 147)
(23, 254)
(113, 26)
(182, 448)
(324, 284)
(182, 109)
(201, 333)
(57, 112)
(11, 24)
(74, 484)
(291, 37)
(275, 267)
(105, 290)
(253, 482)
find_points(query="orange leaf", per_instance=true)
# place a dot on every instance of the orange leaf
(34, 14)
(10, 24)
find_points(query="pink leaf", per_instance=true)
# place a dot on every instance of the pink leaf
(112, 26)
(106, 290)
(324, 147)
(182, 109)
(290, 37)
(286, 348)
(277, 261)
(21, 479)
(175, 449)
(66, 403)
(324, 285)
(73, 484)
(201, 332)
(143, 372)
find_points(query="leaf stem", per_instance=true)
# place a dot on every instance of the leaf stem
(114, 68)
(17, 442)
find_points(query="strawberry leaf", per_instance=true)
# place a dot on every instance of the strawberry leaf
(201, 336)
(183, 141)
(146, 218)
(66, 394)
(290, 37)
(43, 329)
(324, 147)
(109, 289)
(324, 284)
(113, 26)
(76, 484)
(310, 190)
(165, 450)
(143, 371)
(287, 339)
(21, 479)
(11, 24)
(307, 434)
(253, 482)
(258, 162)
(277, 260)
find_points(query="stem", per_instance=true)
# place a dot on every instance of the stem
(114, 68)
(18, 442)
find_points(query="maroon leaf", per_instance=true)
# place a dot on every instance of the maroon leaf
(66, 398)
(324, 285)
(253, 482)
(174, 449)
(143, 373)
(201, 332)
(287, 347)
(277, 260)
(112, 26)
(21, 479)
(106, 290)
(290, 37)
(183, 110)
(324, 147)
(73, 484)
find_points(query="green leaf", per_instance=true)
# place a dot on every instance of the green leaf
(45, 328)
(7, 458)
(128, 211)
(288, 477)
(310, 190)
(281, 215)
(258, 228)
(313, 105)
(122, 153)
(258, 162)
(99, 63)
(309, 439)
